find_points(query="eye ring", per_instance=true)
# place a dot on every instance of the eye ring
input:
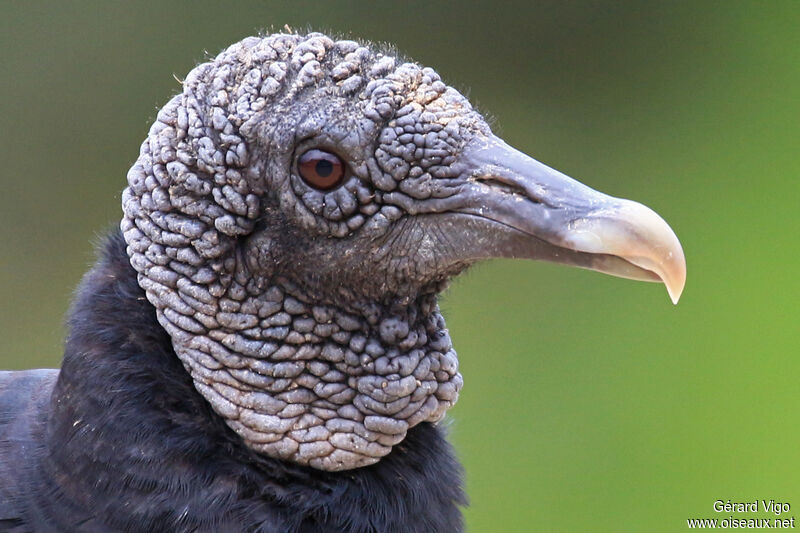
(320, 169)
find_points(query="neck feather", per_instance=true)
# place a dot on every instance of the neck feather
(127, 433)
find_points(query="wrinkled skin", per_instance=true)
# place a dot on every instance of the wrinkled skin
(304, 321)
(306, 318)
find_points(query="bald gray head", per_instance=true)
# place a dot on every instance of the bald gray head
(293, 214)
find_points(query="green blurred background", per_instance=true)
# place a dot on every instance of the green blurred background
(590, 403)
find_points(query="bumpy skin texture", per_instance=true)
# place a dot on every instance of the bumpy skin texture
(122, 441)
(307, 319)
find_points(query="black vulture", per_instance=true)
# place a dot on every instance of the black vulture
(259, 348)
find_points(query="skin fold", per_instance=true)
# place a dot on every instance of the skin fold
(256, 351)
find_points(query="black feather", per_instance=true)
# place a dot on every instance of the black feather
(128, 444)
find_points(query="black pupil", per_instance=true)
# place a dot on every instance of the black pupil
(324, 168)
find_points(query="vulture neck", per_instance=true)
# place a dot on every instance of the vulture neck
(298, 373)
(130, 444)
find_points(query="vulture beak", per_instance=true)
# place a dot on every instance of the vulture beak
(556, 218)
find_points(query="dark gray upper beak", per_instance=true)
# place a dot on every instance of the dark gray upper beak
(567, 221)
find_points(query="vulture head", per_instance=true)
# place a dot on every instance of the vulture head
(295, 211)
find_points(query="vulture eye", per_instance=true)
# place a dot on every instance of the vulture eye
(321, 170)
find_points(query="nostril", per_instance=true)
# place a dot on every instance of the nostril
(506, 186)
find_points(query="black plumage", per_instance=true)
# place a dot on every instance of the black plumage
(260, 347)
(127, 444)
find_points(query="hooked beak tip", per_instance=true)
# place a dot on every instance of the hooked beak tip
(611, 235)
(636, 234)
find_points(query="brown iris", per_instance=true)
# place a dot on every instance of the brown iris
(321, 170)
